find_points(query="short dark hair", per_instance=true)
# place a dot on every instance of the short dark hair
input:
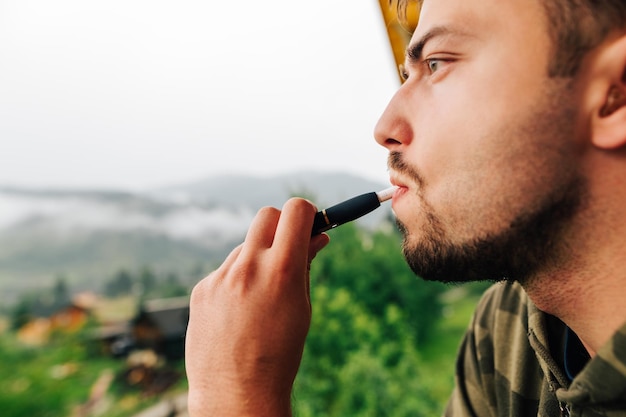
(575, 26)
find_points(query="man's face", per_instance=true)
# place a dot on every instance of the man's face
(482, 143)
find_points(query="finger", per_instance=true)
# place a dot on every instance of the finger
(293, 233)
(261, 232)
(318, 243)
(230, 259)
(217, 275)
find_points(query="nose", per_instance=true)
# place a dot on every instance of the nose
(393, 130)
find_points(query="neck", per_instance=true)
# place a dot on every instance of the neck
(592, 305)
(586, 290)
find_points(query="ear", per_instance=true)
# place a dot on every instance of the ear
(609, 116)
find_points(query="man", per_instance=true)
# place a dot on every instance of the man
(508, 143)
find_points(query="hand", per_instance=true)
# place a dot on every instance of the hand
(249, 318)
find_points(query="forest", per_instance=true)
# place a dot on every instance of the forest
(382, 341)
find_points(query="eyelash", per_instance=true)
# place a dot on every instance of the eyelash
(427, 64)
(403, 73)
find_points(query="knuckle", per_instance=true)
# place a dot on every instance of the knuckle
(197, 294)
(200, 291)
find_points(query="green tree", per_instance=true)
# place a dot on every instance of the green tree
(371, 315)
(371, 266)
(60, 292)
(121, 283)
(147, 281)
(172, 287)
(21, 313)
(351, 367)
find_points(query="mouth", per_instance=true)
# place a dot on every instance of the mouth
(401, 190)
(394, 179)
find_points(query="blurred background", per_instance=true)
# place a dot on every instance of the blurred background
(136, 94)
(138, 140)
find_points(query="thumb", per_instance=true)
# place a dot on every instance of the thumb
(318, 243)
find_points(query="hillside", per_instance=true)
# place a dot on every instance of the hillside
(86, 236)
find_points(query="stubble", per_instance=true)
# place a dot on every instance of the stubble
(534, 239)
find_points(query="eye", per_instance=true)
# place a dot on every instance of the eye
(432, 64)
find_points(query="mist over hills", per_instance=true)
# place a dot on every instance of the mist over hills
(86, 236)
(242, 190)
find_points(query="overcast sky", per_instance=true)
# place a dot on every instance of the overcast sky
(134, 94)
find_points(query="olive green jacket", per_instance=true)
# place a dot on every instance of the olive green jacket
(506, 367)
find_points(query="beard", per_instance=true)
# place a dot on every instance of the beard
(533, 241)
(516, 253)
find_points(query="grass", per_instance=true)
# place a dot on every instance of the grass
(46, 381)
(57, 379)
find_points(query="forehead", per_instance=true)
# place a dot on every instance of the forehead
(516, 22)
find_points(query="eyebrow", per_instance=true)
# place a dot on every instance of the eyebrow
(414, 51)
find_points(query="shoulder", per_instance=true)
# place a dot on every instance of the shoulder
(499, 327)
(503, 304)
(500, 319)
(497, 370)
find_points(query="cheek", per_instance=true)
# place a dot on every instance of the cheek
(469, 179)
(441, 137)
(449, 150)
(452, 145)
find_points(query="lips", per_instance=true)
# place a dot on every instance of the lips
(402, 187)
(398, 182)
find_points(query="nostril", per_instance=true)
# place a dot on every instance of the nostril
(391, 142)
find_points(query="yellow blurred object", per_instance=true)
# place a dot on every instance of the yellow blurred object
(399, 29)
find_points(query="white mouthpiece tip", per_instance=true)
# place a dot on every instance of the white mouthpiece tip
(386, 194)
